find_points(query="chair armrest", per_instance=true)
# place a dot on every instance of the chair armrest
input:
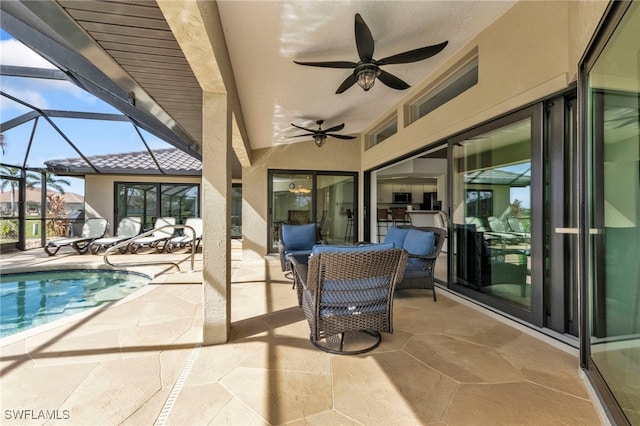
(301, 270)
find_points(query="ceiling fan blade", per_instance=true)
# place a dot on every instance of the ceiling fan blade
(299, 136)
(334, 128)
(341, 136)
(413, 55)
(364, 39)
(330, 64)
(392, 81)
(302, 128)
(350, 81)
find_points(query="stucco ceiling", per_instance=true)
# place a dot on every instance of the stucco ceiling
(264, 38)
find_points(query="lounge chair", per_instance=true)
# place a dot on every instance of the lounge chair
(188, 238)
(158, 236)
(92, 229)
(128, 228)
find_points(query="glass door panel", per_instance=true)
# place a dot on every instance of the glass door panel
(613, 214)
(291, 201)
(493, 215)
(326, 198)
(335, 208)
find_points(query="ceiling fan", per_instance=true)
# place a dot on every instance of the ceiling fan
(320, 135)
(367, 69)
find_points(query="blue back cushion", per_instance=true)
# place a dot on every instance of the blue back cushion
(298, 237)
(419, 242)
(354, 296)
(396, 236)
(324, 248)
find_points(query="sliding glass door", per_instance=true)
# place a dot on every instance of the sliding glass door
(326, 198)
(611, 231)
(495, 211)
(152, 200)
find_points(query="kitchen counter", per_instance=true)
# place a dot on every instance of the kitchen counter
(422, 217)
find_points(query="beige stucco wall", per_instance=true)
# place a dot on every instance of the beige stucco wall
(334, 155)
(99, 193)
(531, 52)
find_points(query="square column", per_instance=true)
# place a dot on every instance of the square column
(216, 213)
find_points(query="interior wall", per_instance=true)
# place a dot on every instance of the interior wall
(99, 196)
(334, 155)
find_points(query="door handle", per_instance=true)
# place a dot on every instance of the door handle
(567, 231)
(592, 231)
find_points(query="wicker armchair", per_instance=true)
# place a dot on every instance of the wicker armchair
(295, 240)
(419, 272)
(347, 297)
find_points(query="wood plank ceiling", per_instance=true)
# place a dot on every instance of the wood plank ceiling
(137, 37)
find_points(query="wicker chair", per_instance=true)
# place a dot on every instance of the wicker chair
(419, 272)
(295, 240)
(347, 297)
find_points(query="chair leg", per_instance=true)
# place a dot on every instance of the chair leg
(435, 299)
(48, 247)
(376, 342)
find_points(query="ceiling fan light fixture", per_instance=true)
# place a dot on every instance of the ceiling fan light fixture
(367, 74)
(319, 139)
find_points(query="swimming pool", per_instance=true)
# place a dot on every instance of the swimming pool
(35, 298)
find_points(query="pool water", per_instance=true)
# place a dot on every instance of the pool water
(35, 298)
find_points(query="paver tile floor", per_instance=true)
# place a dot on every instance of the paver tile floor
(139, 362)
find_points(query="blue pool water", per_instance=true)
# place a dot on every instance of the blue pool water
(35, 298)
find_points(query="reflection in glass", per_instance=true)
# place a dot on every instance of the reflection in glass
(152, 200)
(492, 213)
(614, 185)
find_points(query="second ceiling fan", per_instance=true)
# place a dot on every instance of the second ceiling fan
(368, 69)
(320, 135)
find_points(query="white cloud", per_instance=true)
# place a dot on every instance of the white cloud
(12, 52)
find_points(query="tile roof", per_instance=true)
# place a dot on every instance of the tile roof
(172, 161)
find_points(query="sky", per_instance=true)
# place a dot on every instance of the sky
(92, 137)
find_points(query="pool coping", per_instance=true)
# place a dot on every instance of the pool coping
(31, 332)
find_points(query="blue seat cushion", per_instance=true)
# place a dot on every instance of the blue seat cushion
(419, 243)
(298, 237)
(396, 236)
(324, 248)
(301, 255)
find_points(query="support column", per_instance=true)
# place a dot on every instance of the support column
(216, 213)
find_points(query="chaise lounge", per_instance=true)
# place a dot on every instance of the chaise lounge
(92, 229)
(128, 228)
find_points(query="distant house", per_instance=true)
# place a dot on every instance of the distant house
(72, 201)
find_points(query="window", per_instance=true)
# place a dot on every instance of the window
(479, 202)
(460, 81)
(385, 131)
(152, 200)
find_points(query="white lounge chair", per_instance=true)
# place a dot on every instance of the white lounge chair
(92, 229)
(128, 228)
(158, 236)
(187, 238)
